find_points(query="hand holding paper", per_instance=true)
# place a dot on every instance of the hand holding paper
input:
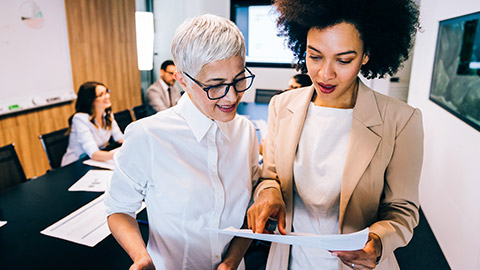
(338, 242)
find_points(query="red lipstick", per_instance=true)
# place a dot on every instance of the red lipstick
(326, 88)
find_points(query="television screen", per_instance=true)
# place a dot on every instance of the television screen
(257, 21)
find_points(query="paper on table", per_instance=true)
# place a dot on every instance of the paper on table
(93, 180)
(352, 241)
(86, 226)
(2, 223)
(102, 164)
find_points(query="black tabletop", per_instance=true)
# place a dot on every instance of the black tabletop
(33, 206)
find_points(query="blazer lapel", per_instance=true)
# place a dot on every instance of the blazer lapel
(362, 145)
(291, 125)
(292, 122)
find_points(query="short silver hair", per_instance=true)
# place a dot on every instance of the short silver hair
(205, 39)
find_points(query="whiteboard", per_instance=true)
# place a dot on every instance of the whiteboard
(35, 67)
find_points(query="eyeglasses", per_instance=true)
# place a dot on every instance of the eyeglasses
(220, 90)
(104, 93)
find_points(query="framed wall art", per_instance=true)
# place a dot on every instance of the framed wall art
(456, 71)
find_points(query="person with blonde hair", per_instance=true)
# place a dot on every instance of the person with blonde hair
(194, 164)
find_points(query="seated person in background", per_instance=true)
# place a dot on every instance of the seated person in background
(298, 81)
(92, 125)
(195, 164)
(164, 93)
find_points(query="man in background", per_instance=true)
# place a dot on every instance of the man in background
(164, 93)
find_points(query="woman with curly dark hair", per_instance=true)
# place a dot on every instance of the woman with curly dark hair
(340, 157)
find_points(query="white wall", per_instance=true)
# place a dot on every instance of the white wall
(398, 89)
(450, 182)
(269, 78)
(170, 14)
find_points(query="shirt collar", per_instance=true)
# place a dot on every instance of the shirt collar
(164, 84)
(198, 122)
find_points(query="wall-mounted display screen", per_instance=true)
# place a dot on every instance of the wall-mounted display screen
(257, 21)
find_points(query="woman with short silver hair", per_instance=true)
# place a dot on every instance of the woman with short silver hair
(194, 164)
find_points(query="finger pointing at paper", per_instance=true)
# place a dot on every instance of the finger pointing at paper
(269, 204)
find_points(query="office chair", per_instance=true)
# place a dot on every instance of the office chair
(123, 118)
(55, 145)
(11, 170)
(140, 111)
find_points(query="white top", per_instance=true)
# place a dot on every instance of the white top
(318, 169)
(86, 139)
(193, 173)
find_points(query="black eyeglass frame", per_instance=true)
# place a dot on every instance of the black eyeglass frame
(207, 88)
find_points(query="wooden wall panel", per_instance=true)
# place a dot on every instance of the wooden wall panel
(103, 48)
(23, 129)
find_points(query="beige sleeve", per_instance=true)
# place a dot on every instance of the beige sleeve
(398, 212)
(269, 177)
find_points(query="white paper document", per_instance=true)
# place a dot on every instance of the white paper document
(86, 226)
(100, 164)
(2, 223)
(93, 180)
(337, 242)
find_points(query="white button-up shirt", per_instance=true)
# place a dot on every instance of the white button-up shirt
(193, 173)
(85, 138)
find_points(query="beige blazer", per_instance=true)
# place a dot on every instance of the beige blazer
(157, 98)
(382, 169)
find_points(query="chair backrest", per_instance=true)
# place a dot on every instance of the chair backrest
(11, 171)
(123, 118)
(140, 111)
(55, 145)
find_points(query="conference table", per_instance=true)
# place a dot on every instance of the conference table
(36, 204)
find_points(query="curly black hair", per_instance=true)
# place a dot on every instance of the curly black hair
(387, 28)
